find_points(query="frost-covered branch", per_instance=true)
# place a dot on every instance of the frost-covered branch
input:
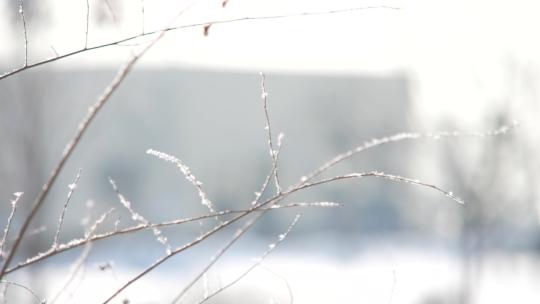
(268, 128)
(25, 33)
(186, 171)
(8, 224)
(401, 137)
(72, 188)
(382, 175)
(273, 171)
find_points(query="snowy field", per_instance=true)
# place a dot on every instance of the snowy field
(380, 276)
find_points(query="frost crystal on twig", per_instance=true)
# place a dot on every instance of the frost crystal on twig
(187, 174)
(14, 202)
(313, 204)
(378, 174)
(25, 33)
(90, 232)
(273, 153)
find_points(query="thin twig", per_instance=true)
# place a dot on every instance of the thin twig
(187, 174)
(264, 96)
(233, 20)
(8, 225)
(54, 51)
(21, 12)
(289, 289)
(271, 248)
(71, 187)
(383, 175)
(259, 194)
(87, 24)
(88, 234)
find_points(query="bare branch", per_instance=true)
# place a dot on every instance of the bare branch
(8, 225)
(272, 172)
(71, 187)
(180, 27)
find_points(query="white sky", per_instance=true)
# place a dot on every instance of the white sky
(456, 53)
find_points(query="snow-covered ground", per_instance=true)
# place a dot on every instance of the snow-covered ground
(410, 275)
